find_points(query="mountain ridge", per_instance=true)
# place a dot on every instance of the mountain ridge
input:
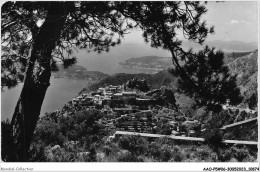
(78, 72)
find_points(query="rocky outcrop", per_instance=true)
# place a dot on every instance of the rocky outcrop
(164, 96)
(137, 84)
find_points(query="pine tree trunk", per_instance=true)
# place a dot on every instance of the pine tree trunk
(37, 80)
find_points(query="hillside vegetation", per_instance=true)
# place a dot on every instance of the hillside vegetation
(78, 72)
(244, 65)
(162, 78)
(80, 135)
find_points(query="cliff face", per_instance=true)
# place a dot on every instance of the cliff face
(163, 95)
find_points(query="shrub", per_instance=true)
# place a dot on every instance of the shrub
(164, 140)
(178, 157)
(241, 154)
(176, 148)
(166, 153)
(37, 152)
(135, 144)
(202, 154)
(127, 156)
(92, 154)
(154, 150)
(165, 130)
(56, 154)
(107, 150)
(224, 155)
(49, 132)
(81, 125)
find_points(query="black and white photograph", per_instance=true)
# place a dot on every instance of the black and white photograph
(114, 82)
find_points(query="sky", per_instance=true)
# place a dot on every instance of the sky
(233, 21)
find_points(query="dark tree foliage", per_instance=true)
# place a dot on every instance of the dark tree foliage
(138, 84)
(7, 151)
(252, 101)
(211, 83)
(213, 136)
(55, 129)
(160, 22)
(36, 35)
(89, 25)
(135, 144)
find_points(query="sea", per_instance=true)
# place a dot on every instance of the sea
(62, 90)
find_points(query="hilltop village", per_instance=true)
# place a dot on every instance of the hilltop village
(129, 122)
(132, 107)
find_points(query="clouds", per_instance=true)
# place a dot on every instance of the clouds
(233, 22)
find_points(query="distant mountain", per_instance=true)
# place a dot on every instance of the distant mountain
(78, 72)
(147, 62)
(226, 46)
(158, 63)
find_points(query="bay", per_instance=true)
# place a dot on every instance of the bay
(61, 91)
(107, 62)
